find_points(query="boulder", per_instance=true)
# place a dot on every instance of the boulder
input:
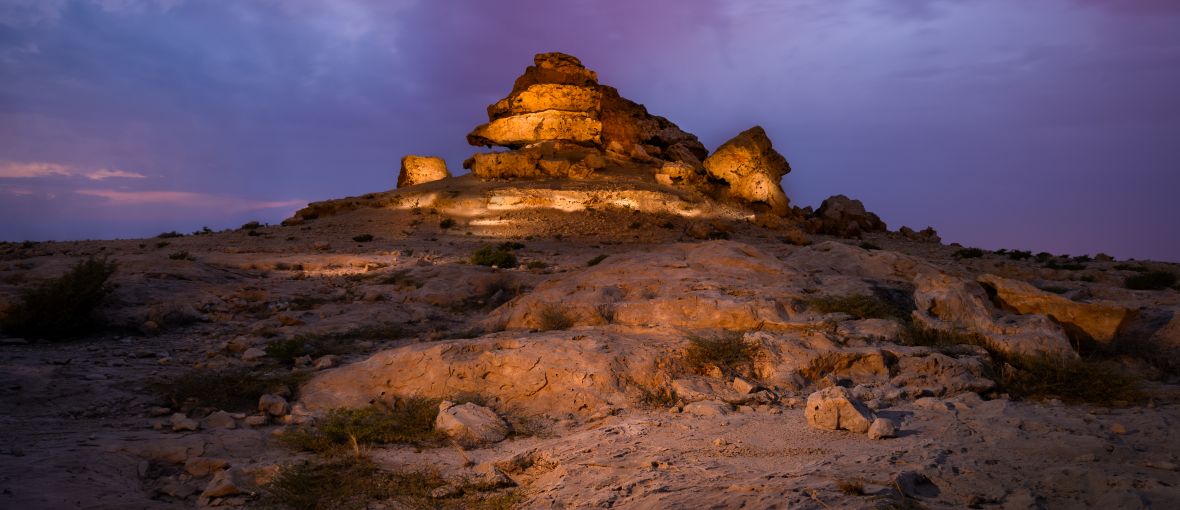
(470, 424)
(752, 169)
(834, 408)
(421, 169)
(882, 428)
(1099, 322)
(273, 405)
(708, 408)
(528, 128)
(843, 217)
(926, 235)
(182, 423)
(948, 303)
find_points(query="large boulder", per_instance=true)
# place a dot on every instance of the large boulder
(540, 160)
(421, 169)
(517, 131)
(834, 408)
(947, 303)
(752, 168)
(1098, 321)
(470, 424)
(841, 216)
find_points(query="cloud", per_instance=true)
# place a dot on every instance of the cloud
(42, 169)
(185, 199)
(15, 170)
(106, 173)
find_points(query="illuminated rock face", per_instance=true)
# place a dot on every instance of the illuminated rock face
(752, 168)
(557, 101)
(420, 169)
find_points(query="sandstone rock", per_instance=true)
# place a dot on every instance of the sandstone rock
(228, 482)
(948, 303)
(834, 409)
(256, 420)
(220, 420)
(273, 405)
(470, 424)
(253, 354)
(694, 389)
(541, 160)
(181, 423)
(752, 169)
(324, 362)
(1097, 321)
(204, 466)
(882, 428)
(926, 235)
(844, 217)
(421, 169)
(743, 386)
(708, 408)
(528, 128)
(548, 96)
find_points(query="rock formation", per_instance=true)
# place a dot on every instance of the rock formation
(842, 216)
(421, 169)
(752, 169)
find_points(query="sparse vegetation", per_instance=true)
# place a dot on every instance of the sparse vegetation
(596, 260)
(537, 264)
(251, 225)
(554, 317)
(181, 255)
(409, 420)
(446, 223)
(1150, 280)
(353, 482)
(859, 307)
(401, 278)
(1044, 256)
(363, 238)
(169, 235)
(63, 307)
(868, 246)
(1019, 254)
(496, 256)
(851, 487)
(1067, 266)
(285, 351)
(968, 253)
(728, 351)
(235, 389)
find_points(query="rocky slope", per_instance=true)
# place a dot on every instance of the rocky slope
(604, 315)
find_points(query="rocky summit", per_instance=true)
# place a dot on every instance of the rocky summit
(602, 313)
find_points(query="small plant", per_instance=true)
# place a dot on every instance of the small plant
(409, 421)
(1068, 266)
(62, 307)
(1151, 280)
(236, 389)
(363, 238)
(553, 317)
(494, 256)
(204, 231)
(859, 307)
(181, 255)
(728, 351)
(169, 235)
(446, 223)
(537, 264)
(868, 246)
(509, 246)
(1020, 255)
(851, 487)
(253, 233)
(285, 351)
(1044, 256)
(401, 278)
(1071, 380)
(250, 225)
(596, 260)
(968, 253)
(1131, 267)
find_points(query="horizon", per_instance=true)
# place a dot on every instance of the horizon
(1047, 127)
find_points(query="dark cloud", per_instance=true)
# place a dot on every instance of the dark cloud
(1004, 123)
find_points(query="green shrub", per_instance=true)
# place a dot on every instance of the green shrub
(232, 389)
(595, 261)
(409, 421)
(446, 223)
(859, 307)
(181, 255)
(62, 307)
(363, 238)
(968, 253)
(1151, 280)
(494, 256)
(553, 317)
(728, 351)
(537, 264)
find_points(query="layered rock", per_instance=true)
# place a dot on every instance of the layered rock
(1099, 322)
(751, 169)
(421, 169)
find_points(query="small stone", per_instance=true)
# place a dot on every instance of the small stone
(834, 408)
(158, 411)
(1119, 429)
(720, 442)
(224, 483)
(220, 420)
(238, 344)
(324, 362)
(204, 466)
(302, 361)
(743, 386)
(180, 423)
(273, 405)
(253, 354)
(882, 428)
(470, 424)
(256, 420)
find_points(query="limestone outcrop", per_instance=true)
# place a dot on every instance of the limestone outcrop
(1097, 321)
(844, 217)
(751, 169)
(421, 169)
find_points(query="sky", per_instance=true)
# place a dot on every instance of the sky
(1044, 125)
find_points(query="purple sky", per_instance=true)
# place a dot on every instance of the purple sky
(1048, 125)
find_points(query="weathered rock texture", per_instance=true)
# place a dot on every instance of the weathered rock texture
(752, 169)
(1097, 321)
(420, 169)
(834, 409)
(470, 424)
(842, 216)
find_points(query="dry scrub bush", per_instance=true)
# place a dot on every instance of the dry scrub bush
(63, 307)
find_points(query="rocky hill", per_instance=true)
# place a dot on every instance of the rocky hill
(601, 313)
